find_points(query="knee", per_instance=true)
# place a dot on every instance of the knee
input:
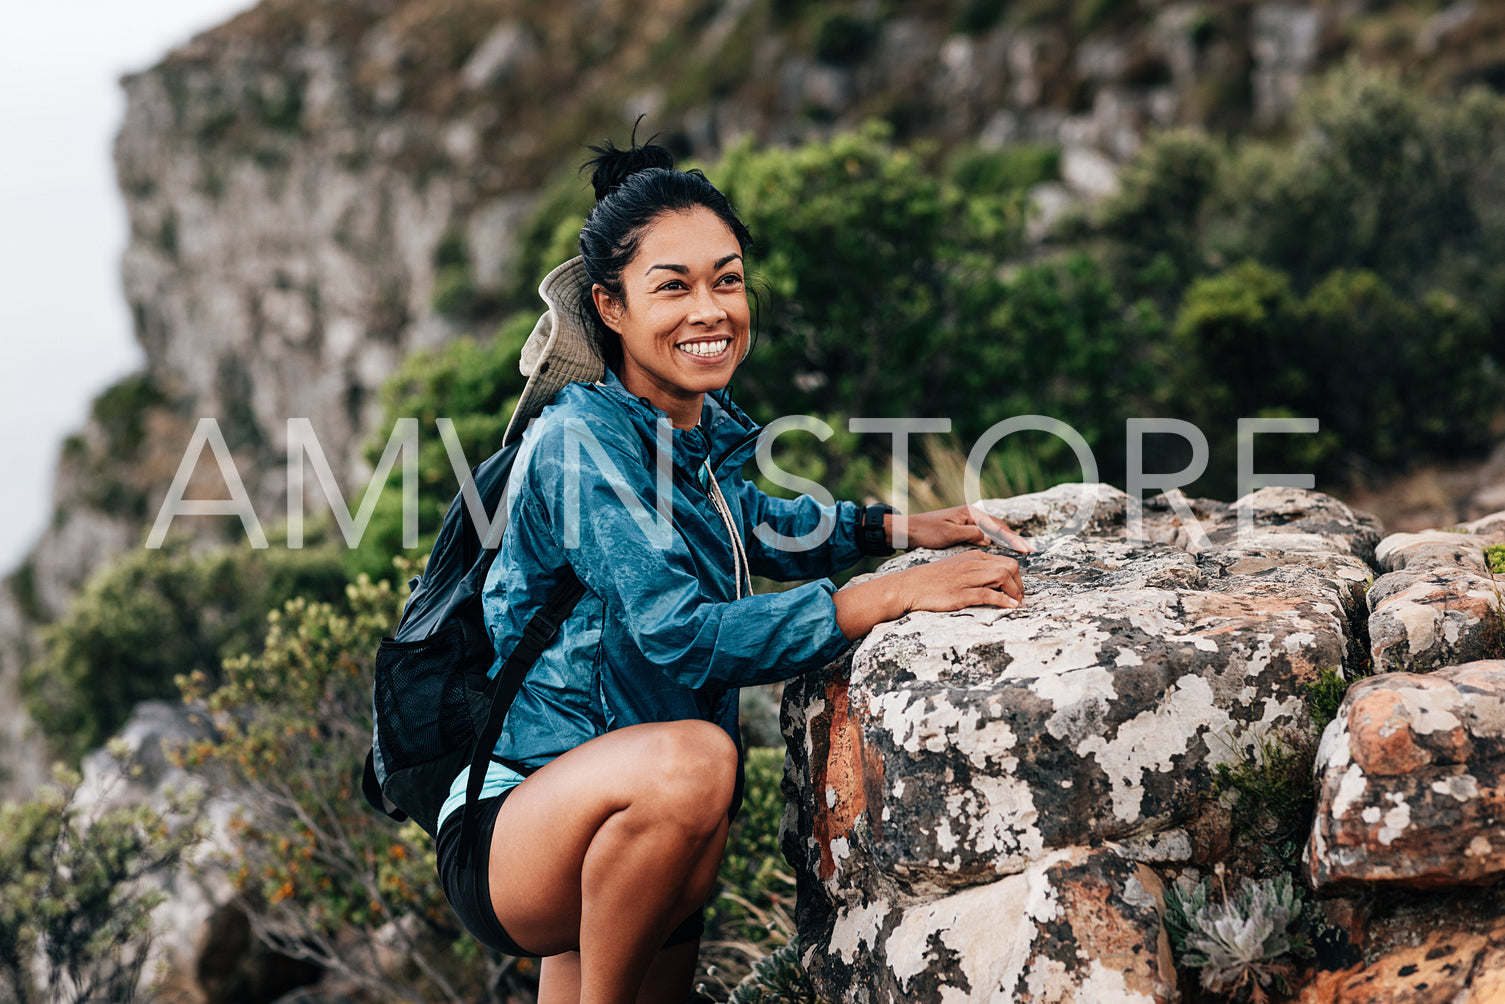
(694, 771)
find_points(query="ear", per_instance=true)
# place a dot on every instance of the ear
(607, 306)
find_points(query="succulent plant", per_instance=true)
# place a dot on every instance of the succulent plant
(777, 979)
(1246, 940)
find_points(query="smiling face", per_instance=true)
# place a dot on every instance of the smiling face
(683, 319)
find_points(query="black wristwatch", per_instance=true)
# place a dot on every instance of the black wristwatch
(871, 538)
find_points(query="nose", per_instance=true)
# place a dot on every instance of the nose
(705, 309)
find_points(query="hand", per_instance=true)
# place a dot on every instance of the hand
(948, 527)
(969, 579)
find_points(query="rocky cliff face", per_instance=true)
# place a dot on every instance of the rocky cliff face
(317, 189)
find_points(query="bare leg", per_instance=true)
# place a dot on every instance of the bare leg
(559, 979)
(610, 846)
(669, 980)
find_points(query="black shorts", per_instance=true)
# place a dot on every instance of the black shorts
(469, 890)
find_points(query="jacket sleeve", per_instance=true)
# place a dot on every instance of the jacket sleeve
(602, 512)
(795, 538)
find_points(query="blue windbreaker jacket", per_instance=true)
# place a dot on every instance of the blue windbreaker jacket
(659, 634)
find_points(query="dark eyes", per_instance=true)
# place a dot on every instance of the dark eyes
(676, 285)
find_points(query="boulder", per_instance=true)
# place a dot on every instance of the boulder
(1412, 781)
(1445, 967)
(203, 950)
(1434, 615)
(947, 757)
(1076, 925)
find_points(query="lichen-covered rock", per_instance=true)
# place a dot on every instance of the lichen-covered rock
(1076, 925)
(1412, 781)
(1447, 967)
(949, 750)
(1436, 604)
(1429, 549)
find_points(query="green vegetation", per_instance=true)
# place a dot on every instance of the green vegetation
(1324, 696)
(1352, 274)
(777, 979)
(154, 614)
(75, 920)
(1271, 796)
(473, 384)
(1494, 558)
(320, 875)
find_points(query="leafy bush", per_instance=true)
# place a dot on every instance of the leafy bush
(1015, 167)
(1388, 379)
(1158, 213)
(475, 385)
(1239, 942)
(861, 252)
(151, 615)
(321, 877)
(1369, 289)
(72, 896)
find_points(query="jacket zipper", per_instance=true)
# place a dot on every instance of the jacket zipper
(740, 571)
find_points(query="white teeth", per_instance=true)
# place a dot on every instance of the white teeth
(706, 348)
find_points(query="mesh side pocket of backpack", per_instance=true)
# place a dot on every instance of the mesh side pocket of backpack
(420, 698)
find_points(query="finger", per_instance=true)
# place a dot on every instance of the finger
(999, 532)
(987, 597)
(1013, 582)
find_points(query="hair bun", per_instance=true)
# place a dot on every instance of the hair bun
(611, 166)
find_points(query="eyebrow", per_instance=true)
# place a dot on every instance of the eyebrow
(683, 270)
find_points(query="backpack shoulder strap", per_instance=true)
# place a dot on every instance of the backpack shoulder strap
(540, 630)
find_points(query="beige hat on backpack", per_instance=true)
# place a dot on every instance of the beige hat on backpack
(559, 351)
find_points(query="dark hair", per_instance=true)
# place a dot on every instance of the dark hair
(633, 188)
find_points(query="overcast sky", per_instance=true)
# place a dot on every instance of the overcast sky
(64, 329)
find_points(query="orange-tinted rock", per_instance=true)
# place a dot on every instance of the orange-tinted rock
(939, 772)
(1448, 967)
(1429, 616)
(1411, 780)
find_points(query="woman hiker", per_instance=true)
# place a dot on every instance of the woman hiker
(605, 808)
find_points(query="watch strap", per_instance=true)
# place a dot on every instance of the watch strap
(871, 538)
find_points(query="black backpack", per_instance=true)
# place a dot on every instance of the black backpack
(433, 708)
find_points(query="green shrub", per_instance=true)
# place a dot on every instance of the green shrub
(756, 885)
(1013, 168)
(1271, 796)
(474, 384)
(874, 278)
(151, 615)
(72, 897)
(1158, 213)
(121, 408)
(321, 875)
(1387, 378)
(777, 979)
(1324, 696)
(455, 294)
